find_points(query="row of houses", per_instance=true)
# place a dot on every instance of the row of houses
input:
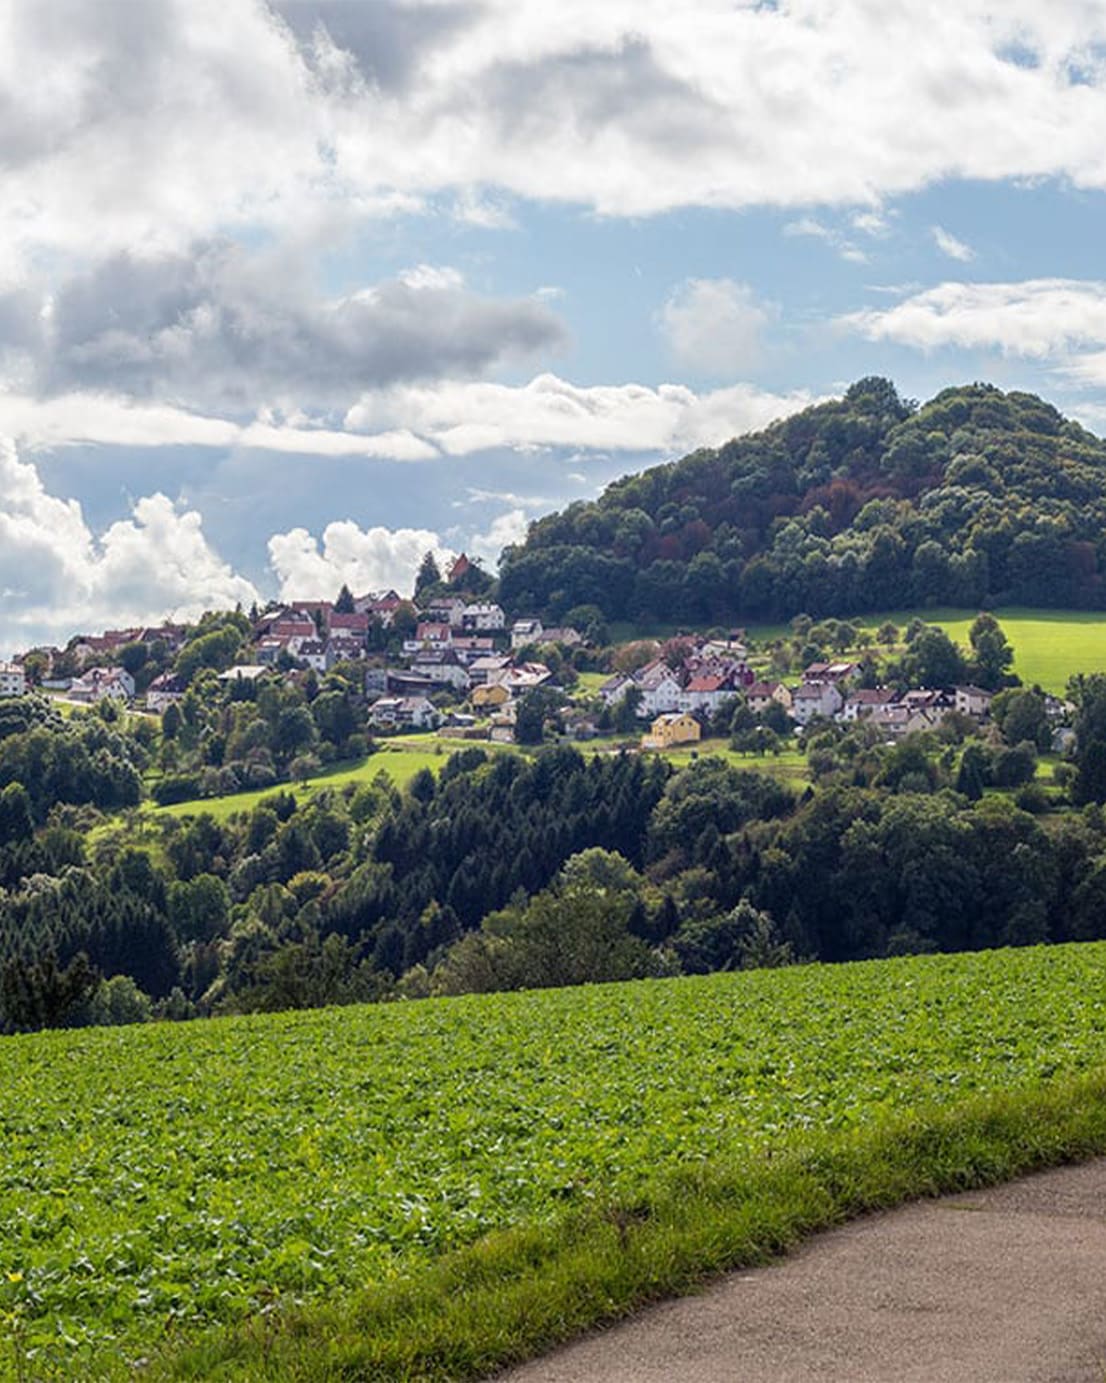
(709, 673)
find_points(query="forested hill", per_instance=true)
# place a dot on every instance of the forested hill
(978, 498)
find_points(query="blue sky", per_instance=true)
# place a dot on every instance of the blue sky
(292, 290)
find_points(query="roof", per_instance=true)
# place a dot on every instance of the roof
(975, 691)
(873, 696)
(706, 684)
(762, 689)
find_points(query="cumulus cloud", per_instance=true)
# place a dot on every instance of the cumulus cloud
(461, 418)
(949, 245)
(504, 531)
(218, 327)
(120, 140)
(363, 559)
(57, 577)
(1036, 318)
(714, 325)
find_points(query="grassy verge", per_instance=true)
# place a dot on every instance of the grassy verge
(521, 1291)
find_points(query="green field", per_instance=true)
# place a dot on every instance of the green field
(1049, 645)
(160, 1179)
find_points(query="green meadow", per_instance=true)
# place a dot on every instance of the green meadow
(431, 1189)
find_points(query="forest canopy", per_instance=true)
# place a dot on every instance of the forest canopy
(977, 498)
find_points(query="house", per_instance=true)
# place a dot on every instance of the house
(525, 631)
(660, 689)
(313, 653)
(485, 669)
(442, 667)
(496, 696)
(268, 650)
(343, 649)
(615, 688)
(164, 691)
(830, 672)
(895, 720)
(429, 634)
(469, 647)
(482, 617)
(925, 699)
(814, 699)
(351, 626)
(761, 695)
(565, 635)
(318, 611)
(707, 693)
(460, 568)
(864, 700)
(99, 682)
(447, 609)
(13, 680)
(523, 678)
(380, 606)
(672, 728)
(972, 701)
(1063, 740)
(244, 672)
(404, 713)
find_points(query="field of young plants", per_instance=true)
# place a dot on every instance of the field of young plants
(156, 1180)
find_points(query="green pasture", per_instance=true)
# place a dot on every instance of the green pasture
(1050, 646)
(429, 1189)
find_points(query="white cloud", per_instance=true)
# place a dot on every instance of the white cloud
(505, 530)
(363, 559)
(120, 141)
(714, 325)
(949, 245)
(57, 577)
(465, 417)
(114, 421)
(1037, 318)
(813, 228)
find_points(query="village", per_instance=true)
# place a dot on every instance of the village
(459, 667)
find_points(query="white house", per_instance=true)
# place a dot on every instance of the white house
(660, 690)
(615, 688)
(404, 713)
(13, 680)
(99, 682)
(706, 693)
(525, 631)
(972, 701)
(482, 617)
(815, 699)
(313, 653)
(163, 691)
(865, 700)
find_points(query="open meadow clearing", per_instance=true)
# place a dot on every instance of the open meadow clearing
(161, 1179)
(1049, 645)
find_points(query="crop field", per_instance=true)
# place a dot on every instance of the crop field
(158, 1180)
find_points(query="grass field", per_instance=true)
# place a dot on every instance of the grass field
(429, 1189)
(1049, 645)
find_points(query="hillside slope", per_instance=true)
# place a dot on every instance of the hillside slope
(976, 498)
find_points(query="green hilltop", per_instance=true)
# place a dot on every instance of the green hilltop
(978, 498)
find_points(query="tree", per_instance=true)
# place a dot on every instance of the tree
(533, 709)
(344, 605)
(933, 660)
(16, 821)
(992, 655)
(428, 575)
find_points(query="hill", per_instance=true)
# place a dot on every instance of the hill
(977, 498)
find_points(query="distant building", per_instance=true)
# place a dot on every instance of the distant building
(672, 728)
(404, 713)
(972, 701)
(13, 680)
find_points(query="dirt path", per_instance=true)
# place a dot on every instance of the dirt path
(1006, 1285)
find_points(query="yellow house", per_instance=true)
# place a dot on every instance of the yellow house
(494, 696)
(675, 727)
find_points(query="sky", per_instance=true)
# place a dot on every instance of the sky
(292, 291)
